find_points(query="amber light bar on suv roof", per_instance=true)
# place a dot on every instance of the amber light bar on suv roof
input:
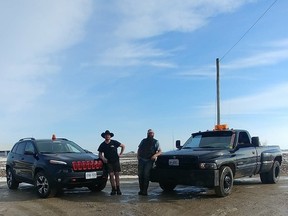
(87, 165)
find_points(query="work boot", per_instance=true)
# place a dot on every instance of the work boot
(113, 191)
(118, 191)
(145, 188)
(143, 193)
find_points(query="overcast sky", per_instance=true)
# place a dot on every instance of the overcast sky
(77, 68)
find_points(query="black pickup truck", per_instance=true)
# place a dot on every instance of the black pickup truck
(214, 158)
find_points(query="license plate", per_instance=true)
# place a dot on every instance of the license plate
(90, 175)
(173, 162)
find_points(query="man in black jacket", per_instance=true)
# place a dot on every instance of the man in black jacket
(148, 151)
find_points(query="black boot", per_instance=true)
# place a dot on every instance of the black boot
(143, 191)
(119, 191)
(140, 187)
(113, 191)
(145, 188)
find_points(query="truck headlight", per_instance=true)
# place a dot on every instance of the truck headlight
(208, 166)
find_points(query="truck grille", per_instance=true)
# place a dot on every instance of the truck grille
(188, 162)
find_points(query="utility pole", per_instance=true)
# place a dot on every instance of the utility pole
(218, 91)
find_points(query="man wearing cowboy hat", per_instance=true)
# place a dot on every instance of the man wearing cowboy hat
(108, 153)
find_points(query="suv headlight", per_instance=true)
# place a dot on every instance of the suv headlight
(58, 162)
(208, 166)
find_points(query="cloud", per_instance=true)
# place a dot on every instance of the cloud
(267, 101)
(151, 18)
(32, 35)
(199, 72)
(136, 22)
(130, 54)
(272, 53)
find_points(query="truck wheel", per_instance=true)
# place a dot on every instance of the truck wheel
(98, 187)
(11, 181)
(273, 175)
(225, 182)
(167, 186)
(43, 186)
(264, 177)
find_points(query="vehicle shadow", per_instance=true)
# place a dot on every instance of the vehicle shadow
(24, 192)
(129, 193)
(248, 181)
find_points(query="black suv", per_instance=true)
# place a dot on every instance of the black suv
(53, 164)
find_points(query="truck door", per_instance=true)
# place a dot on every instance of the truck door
(246, 156)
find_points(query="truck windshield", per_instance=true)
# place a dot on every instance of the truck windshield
(210, 139)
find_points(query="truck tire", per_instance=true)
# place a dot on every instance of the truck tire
(225, 182)
(272, 176)
(167, 187)
(43, 186)
(11, 181)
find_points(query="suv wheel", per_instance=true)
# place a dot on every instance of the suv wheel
(98, 187)
(43, 186)
(11, 181)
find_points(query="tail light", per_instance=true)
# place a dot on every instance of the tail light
(87, 165)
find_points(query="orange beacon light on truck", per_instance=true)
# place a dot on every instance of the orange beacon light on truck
(221, 127)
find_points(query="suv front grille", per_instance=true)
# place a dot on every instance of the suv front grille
(87, 165)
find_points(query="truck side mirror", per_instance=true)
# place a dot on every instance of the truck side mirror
(255, 141)
(178, 144)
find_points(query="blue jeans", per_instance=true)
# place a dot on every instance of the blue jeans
(144, 168)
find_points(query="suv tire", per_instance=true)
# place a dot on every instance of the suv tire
(43, 186)
(98, 187)
(11, 181)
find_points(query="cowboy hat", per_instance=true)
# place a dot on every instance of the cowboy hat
(107, 132)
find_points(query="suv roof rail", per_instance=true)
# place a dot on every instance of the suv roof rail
(27, 138)
(62, 139)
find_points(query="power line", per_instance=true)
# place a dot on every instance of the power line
(273, 3)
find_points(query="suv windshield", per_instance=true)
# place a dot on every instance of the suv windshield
(58, 146)
(211, 139)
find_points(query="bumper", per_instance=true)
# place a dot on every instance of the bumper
(204, 178)
(77, 179)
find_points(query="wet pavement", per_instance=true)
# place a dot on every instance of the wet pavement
(249, 197)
